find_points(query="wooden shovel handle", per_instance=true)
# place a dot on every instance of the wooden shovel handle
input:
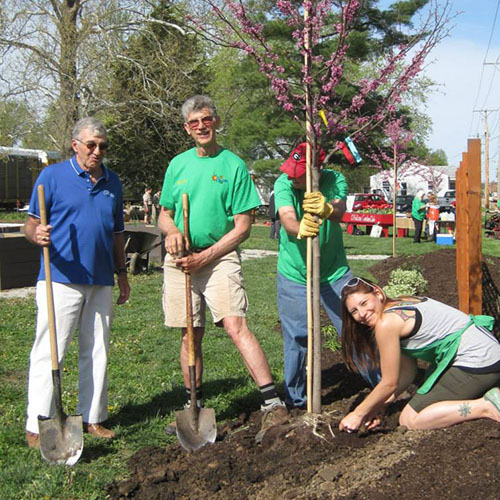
(48, 283)
(189, 303)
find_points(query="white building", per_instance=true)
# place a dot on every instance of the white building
(413, 176)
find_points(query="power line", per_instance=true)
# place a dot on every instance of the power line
(484, 62)
(491, 81)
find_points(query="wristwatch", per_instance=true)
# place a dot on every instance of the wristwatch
(121, 270)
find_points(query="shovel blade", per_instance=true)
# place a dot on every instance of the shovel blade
(192, 437)
(61, 440)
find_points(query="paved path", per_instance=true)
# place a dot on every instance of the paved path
(256, 254)
(247, 254)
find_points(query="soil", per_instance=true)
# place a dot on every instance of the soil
(307, 458)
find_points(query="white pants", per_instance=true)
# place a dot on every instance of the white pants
(88, 308)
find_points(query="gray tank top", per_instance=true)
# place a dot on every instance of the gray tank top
(478, 347)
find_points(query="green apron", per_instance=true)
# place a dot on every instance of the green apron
(441, 352)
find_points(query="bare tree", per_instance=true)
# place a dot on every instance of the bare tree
(55, 53)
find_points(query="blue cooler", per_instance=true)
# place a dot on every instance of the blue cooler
(444, 239)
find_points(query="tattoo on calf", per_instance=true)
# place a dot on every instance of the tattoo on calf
(464, 409)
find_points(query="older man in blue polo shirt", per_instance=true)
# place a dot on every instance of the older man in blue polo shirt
(86, 243)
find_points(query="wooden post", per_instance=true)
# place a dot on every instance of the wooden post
(468, 230)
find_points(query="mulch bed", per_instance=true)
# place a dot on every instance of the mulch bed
(308, 458)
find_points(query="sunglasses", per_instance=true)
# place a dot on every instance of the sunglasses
(355, 282)
(206, 121)
(91, 145)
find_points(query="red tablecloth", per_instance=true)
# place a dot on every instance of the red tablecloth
(363, 219)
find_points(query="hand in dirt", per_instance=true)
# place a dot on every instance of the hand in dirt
(373, 423)
(175, 244)
(351, 422)
(42, 235)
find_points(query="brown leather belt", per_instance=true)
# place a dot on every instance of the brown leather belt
(198, 250)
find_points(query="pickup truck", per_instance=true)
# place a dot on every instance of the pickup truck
(447, 201)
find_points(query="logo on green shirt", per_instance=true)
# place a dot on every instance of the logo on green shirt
(219, 178)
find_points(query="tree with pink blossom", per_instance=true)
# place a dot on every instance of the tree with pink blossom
(355, 102)
(323, 97)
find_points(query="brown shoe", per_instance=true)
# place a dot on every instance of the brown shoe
(98, 431)
(33, 439)
(276, 414)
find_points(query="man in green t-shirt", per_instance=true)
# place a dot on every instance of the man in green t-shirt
(221, 198)
(297, 210)
(418, 207)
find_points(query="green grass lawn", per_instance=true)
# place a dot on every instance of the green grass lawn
(145, 381)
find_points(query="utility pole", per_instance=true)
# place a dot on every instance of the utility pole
(486, 156)
(498, 168)
(486, 162)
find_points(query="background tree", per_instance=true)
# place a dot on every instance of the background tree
(437, 157)
(267, 30)
(18, 126)
(55, 53)
(158, 69)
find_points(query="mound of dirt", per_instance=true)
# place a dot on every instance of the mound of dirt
(309, 459)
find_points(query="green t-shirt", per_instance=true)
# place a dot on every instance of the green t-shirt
(292, 252)
(218, 187)
(418, 209)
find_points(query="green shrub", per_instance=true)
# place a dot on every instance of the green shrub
(331, 338)
(405, 282)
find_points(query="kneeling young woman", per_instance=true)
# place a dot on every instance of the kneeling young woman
(461, 381)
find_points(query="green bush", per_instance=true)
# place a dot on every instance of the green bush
(331, 338)
(405, 282)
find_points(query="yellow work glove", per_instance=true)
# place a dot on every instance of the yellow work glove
(308, 227)
(315, 203)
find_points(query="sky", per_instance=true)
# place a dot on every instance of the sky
(466, 83)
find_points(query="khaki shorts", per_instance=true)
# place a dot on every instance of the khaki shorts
(218, 285)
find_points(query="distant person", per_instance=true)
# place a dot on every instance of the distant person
(85, 251)
(275, 218)
(432, 214)
(418, 208)
(156, 207)
(462, 380)
(147, 203)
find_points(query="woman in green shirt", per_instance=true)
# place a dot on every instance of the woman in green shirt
(418, 214)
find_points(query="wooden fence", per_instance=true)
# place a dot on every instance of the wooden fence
(468, 229)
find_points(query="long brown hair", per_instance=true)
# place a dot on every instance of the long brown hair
(358, 341)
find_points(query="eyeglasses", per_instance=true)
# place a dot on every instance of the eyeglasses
(91, 145)
(206, 122)
(355, 281)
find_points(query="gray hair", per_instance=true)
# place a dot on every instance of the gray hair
(420, 194)
(91, 124)
(197, 103)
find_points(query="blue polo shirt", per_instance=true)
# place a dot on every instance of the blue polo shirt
(84, 218)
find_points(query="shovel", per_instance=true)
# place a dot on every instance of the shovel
(61, 437)
(195, 426)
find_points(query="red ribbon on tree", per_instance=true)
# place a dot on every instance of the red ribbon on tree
(347, 152)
